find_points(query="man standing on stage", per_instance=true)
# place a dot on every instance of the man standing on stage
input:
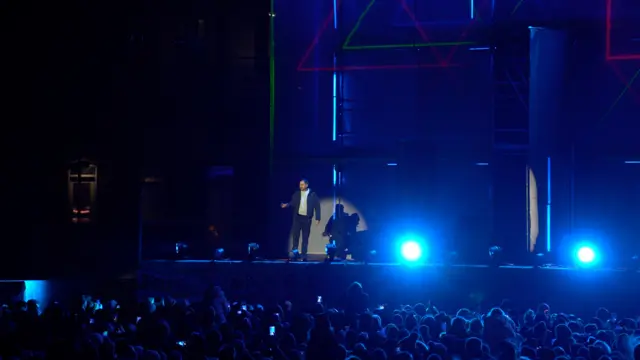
(303, 203)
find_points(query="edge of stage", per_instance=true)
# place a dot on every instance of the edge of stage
(448, 287)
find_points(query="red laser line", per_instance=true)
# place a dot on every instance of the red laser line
(379, 67)
(423, 33)
(624, 57)
(607, 41)
(316, 39)
(455, 48)
(406, 8)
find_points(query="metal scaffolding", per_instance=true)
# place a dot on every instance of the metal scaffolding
(510, 73)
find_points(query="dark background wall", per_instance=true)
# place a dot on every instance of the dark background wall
(602, 106)
(140, 89)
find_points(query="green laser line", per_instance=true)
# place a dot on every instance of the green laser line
(355, 28)
(627, 87)
(272, 85)
(401, 46)
(346, 46)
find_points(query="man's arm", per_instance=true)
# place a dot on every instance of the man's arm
(316, 206)
(288, 205)
(328, 227)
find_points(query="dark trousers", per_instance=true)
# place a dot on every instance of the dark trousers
(301, 224)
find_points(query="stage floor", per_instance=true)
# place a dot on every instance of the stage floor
(448, 287)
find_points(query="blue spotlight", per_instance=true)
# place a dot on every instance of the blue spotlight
(411, 251)
(586, 255)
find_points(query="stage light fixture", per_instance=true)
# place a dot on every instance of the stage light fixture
(219, 254)
(181, 250)
(330, 249)
(495, 255)
(252, 250)
(539, 260)
(411, 251)
(370, 256)
(586, 256)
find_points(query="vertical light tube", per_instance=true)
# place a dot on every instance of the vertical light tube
(548, 204)
(335, 101)
(335, 75)
(335, 109)
(473, 8)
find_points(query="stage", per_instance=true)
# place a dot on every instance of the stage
(448, 287)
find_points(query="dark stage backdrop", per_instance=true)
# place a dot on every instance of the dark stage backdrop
(603, 98)
(428, 109)
(607, 204)
(599, 142)
(414, 129)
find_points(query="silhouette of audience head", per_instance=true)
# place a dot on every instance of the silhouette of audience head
(168, 328)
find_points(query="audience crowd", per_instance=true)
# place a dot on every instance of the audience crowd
(214, 328)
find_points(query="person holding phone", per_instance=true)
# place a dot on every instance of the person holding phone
(305, 205)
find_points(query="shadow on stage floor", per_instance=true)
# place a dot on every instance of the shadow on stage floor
(581, 291)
